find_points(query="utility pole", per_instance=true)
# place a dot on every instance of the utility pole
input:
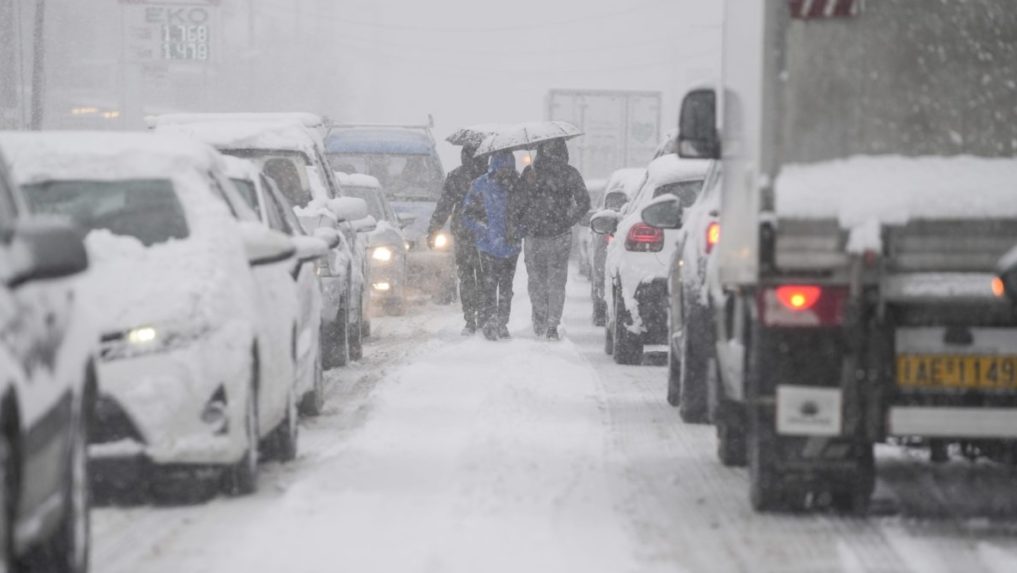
(38, 66)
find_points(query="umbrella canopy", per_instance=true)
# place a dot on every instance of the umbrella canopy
(527, 136)
(474, 135)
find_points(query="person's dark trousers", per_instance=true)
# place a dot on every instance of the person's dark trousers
(498, 274)
(547, 264)
(468, 269)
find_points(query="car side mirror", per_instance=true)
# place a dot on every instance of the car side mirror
(663, 213)
(309, 248)
(698, 137)
(45, 249)
(604, 222)
(330, 236)
(348, 208)
(406, 220)
(365, 224)
(264, 246)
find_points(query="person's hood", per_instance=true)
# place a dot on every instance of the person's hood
(475, 165)
(501, 160)
(552, 152)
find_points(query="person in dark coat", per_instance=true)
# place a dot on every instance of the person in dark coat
(556, 198)
(457, 185)
(492, 214)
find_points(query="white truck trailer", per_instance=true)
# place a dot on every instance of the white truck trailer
(869, 190)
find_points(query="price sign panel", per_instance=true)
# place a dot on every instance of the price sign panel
(168, 32)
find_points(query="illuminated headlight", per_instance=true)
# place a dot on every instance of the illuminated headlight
(409, 246)
(382, 287)
(382, 254)
(150, 339)
(142, 336)
(441, 241)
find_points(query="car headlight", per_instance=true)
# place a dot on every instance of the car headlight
(441, 241)
(150, 339)
(382, 254)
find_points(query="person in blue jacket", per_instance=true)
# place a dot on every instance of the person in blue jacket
(492, 213)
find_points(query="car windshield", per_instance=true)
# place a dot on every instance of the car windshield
(247, 191)
(146, 209)
(615, 201)
(685, 191)
(287, 168)
(404, 177)
(371, 197)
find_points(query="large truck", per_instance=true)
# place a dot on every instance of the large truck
(869, 189)
(622, 128)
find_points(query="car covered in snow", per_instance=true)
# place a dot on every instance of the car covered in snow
(289, 149)
(583, 237)
(198, 311)
(47, 391)
(386, 244)
(261, 194)
(638, 256)
(622, 185)
(405, 161)
(690, 334)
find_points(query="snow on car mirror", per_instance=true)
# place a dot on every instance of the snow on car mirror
(310, 248)
(604, 222)
(330, 236)
(265, 246)
(664, 212)
(365, 224)
(348, 208)
(44, 249)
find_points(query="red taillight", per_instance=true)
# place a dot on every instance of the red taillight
(644, 238)
(803, 305)
(712, 236)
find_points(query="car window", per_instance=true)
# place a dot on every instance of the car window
(615, 201)
(404, 177)
(146, 209)
(285, 208)
(288, 168)
(685, 191)
(247, 191)
(372, 197)
(274, 218)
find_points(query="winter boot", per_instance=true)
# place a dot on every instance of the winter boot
(470, 329)
(552, 334)
(503, 333)
(491, 331)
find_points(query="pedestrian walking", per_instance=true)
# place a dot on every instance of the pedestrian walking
(492, 213)
(457, 185)
(555, 198)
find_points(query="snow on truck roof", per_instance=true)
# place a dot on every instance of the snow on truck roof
(894, 189)
(381, 141)
(670, 168)
(223, 134)
(41, 156)
(357, 180)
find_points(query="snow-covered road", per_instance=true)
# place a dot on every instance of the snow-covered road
(439, 453)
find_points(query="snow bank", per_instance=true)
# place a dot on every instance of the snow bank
(894, 189)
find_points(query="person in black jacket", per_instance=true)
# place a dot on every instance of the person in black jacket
(457, 185)
(556, 199)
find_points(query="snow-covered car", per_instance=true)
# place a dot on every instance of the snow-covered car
(386, 243)
(622, 185)
(406, 163)
(636, 265)
(289, 149)
(47, 391)
(690, 333)
(582, 237)
(263, 195)
(198, 311)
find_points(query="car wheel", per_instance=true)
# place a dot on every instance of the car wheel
(628, 349)
(730, 443)
(365, 327)
(314, 401)
(599, 307)
(356, 345)
(242, 478)
(336, 341)
(673, 377)
(67, 551)
(608, 339)
(693, 407)
(855, 498)
(8, 494)
(286, 436)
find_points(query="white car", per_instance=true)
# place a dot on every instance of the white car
(289, 149)
(621, 186)
(198, 311)
(386, 244)
(275, 211)
(47, 389)
(637, 261)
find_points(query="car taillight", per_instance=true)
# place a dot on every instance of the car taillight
(712, 236)
(644, 238)
(803, 305)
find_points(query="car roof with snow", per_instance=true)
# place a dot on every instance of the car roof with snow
(626, 180)
(357, 180)
(308, 120)
(237, 168)
(380, 140)
(222, 134)
(41, 156)
(670, 168)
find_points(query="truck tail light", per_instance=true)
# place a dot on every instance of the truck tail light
(644, 238)
(803, 305)
(712, 236)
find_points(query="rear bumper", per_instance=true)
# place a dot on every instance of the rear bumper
(942, 422)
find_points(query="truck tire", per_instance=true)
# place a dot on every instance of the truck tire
(766, 492)
(694, 362)
(674, 381)
(854, 498)
(628, 348)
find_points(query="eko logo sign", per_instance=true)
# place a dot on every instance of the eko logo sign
(169, 32)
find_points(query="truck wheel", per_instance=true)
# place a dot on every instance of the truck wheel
(855, 498)
(765, 489)
(674, 382)
(730, 441)
(628, 349)
(693, 367)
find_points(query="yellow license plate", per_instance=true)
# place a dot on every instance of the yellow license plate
(947, 371)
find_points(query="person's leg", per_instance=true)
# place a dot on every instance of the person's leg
(536, 270)
(468, 269)
(506, 274)
(488, 290)
(558, 273)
